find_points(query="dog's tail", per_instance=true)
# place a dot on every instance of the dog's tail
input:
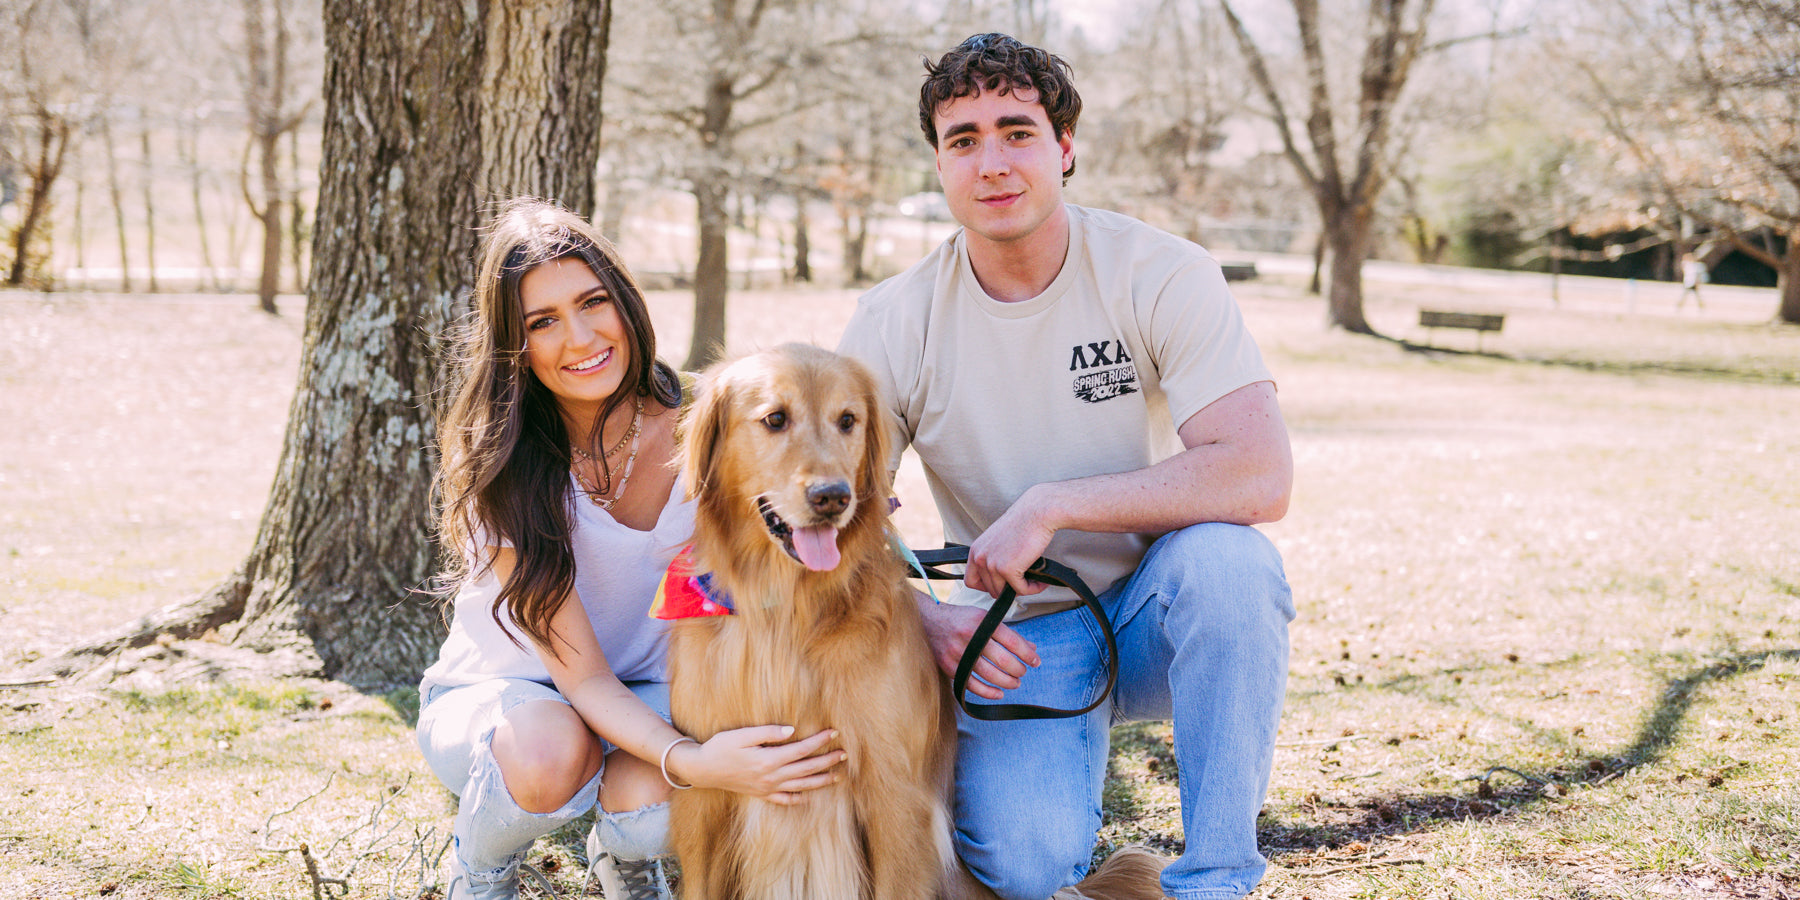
(1131, 873)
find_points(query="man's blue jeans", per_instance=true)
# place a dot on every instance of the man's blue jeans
(1202, 633)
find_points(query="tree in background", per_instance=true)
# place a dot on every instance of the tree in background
(720, 57)
(272, 115)
(38, 137)
(1700, 100)
(1165, 123)
(1344, 158)
(343, 555)
(43, 101)
(714, 72)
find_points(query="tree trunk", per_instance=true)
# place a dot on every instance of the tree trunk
(268, 149)
(802, 240)
(118, 200)
(52, 149)
(1787, 280)
(343, 550)
(187, 147)
(712, 193)
(296, 229)
(540, 119)
(149, 174)
(80, 223)
(1347, 234)
(263, 101)
(856, 242)
(1314, 286)
(711, 272)
(343, 554)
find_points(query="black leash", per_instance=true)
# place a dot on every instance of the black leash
(1045, 571)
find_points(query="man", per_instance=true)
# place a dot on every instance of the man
(1080, 385)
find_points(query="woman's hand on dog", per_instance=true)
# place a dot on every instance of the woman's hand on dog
(761, 762)
(1005, 660)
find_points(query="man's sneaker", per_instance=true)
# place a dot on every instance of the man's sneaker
(622, 879)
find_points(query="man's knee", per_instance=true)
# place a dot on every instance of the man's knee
(1030, 867)
(1232, 570)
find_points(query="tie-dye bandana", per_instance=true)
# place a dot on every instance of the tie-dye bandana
(686, 595)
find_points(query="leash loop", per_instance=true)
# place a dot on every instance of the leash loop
(926, 564)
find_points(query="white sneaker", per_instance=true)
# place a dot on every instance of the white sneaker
(622, 879)
(462, 887)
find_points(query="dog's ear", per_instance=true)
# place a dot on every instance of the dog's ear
(702, 428)
(877, 482)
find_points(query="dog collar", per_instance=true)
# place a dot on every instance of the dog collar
(686, 594)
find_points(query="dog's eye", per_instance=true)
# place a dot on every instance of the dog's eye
(776, 420)
(846, 422)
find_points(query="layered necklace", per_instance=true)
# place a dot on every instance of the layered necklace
(602, 493)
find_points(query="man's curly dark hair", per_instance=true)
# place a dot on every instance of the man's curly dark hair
(1001, 63)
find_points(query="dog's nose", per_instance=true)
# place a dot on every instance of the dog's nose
(828, 499)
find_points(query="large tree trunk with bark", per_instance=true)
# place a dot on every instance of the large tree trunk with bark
(344, 554)
(541, 99)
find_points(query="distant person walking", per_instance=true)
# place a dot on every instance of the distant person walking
(1693, 274)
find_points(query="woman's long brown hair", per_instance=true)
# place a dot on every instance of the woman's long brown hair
(505, 453)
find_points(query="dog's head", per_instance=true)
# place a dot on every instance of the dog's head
(792, 437)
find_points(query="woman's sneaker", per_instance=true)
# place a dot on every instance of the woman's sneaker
(624, 879)
(462, 887)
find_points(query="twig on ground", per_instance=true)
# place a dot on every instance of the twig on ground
(1319, 741)
(1366, 864)
(1483, 777)
(26, 682)
(373, 846)
(429, 863)
(319, 881)
(279, 813)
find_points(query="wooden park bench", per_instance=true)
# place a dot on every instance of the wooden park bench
(1480, 323)
(1235, 271)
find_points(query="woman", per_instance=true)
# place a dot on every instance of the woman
(561, 511)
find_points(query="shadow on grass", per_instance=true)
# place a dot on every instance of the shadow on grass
(1739, 374)
(1396, 813)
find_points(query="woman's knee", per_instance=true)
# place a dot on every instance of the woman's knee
(546, 755)
(631, 783)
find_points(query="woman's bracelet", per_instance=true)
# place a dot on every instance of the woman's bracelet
(663, 763)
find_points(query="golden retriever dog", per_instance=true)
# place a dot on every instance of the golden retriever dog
(786, 456)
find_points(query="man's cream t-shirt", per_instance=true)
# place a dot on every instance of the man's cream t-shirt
(1137, 333)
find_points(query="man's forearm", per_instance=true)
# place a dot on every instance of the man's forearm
(1237, 468)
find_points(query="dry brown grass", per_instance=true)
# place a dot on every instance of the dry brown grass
(1574, 558)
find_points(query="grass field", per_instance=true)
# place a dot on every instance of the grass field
(1548, 641)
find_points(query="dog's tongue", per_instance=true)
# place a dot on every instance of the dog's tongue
(816, 545)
